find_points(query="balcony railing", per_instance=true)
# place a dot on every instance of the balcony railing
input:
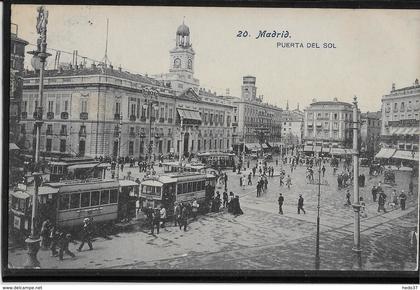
(116, 134)
(234, 124)
(132, 135)
(132, 118)
(49, 132)
(152, 119)
(84, 115)
(24, 115)
(143, 118)
(161, 120)
(82, 133)
(64, 115)
(63, 133)
(50, 115)
(142, 135)
(170, 120)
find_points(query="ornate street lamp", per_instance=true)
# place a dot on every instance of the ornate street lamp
(38, 61)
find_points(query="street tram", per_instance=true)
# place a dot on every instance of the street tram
(217, 159)
(76, 168)
(171, 167)
(67, 203)
(167, 189)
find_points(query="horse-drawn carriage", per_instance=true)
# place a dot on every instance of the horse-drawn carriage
(375, 169)
(389, 177)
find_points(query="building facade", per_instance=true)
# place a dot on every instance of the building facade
(370, 132)
(328, 124)
(292, 127)
(400, 118)
(17, 58)
(84, 105)
(257, 122)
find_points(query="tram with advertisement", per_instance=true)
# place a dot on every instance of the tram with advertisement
(217, 159)
(167, 189)
(66, 204)
(171, 167)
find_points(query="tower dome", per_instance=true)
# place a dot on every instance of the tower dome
(183, 30)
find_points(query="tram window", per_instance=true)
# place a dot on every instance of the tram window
(85, 199)
(179, 191)
(198, 186)
(94, 198)
(203, 184)
(113, 196)
(104, 196)
(194, 184)
(64, 202)
(185, 188)
(75, 200)
(190, 186)
(59, 169)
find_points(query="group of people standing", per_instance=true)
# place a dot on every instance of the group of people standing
(52, 238)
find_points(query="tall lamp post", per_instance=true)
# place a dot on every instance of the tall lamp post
(38, 61)
(181, 141)
(150, 102)
(356, 201)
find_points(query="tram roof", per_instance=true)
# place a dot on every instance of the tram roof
(176, 177)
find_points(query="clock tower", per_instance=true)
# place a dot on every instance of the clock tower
(181, 63)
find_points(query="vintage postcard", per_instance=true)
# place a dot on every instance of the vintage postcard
(213, 138)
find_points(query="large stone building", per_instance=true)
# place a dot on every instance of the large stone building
(370, 133)
(259, 123)
(400, 122)
(328, 125)
(17, 58)
(83, 106)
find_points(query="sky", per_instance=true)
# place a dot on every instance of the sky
(373, 48)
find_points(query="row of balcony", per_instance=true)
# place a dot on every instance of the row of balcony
(51, 115)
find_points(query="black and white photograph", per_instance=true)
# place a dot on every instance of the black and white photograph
(212, 138)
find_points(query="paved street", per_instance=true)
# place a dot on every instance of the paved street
(261, 238)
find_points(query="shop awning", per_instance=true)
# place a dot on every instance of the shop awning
(189, 114)
(307, 148)
(406, 155)
(253, 146)
(13, 146)
(317, 148)
(277, 144)
(385, 153)
(326, 149)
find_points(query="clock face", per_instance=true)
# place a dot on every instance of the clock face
(177, 63)
(190, 63)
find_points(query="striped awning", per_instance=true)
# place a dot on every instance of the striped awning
(308, 148)
(253, 146)
(385, 153)
(404, 131)
(189, 114)
(406, 155)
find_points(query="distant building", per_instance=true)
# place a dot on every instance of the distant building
(259, 123)
(328, 124)
(17, 58)
(83, 105)
(370, 133)
(292, 127)
(400, 122)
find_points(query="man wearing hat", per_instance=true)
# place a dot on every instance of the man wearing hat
(300, 204)
(63, 243)
(281, 200)
(86, 234)
(403, 198)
